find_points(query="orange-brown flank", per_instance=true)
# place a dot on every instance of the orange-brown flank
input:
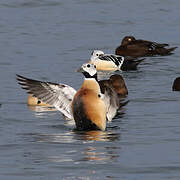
(93, 108)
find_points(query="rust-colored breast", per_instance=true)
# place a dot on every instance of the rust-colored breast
(89, 111)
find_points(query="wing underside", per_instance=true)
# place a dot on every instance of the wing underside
(57, 95)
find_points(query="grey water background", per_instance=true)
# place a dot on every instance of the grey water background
(48, 40)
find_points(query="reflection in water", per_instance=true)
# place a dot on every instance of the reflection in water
(100, 136)
(41, 108)
(54, 138)
(105, 154)
(74, 136)
(88, 148)
(41, 111)
(96, 153)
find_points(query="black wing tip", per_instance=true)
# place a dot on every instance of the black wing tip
(124, 103)
(20, 78)
(173, 48)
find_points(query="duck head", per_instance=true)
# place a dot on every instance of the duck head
(88, 70)
(127, 39)
(95, 54)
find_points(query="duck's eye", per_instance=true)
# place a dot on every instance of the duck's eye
(95, 66)
(88, 65)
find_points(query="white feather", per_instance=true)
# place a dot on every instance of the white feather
(58, 95)
(98, 55)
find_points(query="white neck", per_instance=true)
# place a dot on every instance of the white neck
(89, 79)
(93, 58)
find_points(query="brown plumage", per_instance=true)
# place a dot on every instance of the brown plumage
(137, 48)
(88, 108)
(116, 89)
(176, 84)
(119, 85)
(33, 101)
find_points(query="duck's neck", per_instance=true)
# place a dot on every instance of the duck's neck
(88, 76)
(93, 58)
(91, 84)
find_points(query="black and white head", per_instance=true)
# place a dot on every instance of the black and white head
(88, 70)
(95, 54)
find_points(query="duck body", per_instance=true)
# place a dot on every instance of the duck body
(118, 84)
(106, 62)
(176, 84)
(111, 62)
(130, 63)
(138, 48)
(103, 65)
(33, 101)
(89, 110)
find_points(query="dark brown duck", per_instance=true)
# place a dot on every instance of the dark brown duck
(137, 48)
(176, 84)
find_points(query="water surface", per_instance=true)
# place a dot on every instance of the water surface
(48, 40)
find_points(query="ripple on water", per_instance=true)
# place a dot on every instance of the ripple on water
(32, 4)
(74, 136)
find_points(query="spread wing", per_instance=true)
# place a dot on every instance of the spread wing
(58, 95)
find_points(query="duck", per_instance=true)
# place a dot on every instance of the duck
(112, 62)
(33, 101)
(176, 84)
(130, 46)
(90, 107)
(118, 84)
(115, 91)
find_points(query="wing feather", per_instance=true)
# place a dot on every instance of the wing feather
(117, 60)
(58, 95)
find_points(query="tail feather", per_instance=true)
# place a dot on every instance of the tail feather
(165, 51)
(131, 64)
(171, 49)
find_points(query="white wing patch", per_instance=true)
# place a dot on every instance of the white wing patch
(62, 98)
(98, 55)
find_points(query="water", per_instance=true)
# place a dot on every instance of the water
(48, 40)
